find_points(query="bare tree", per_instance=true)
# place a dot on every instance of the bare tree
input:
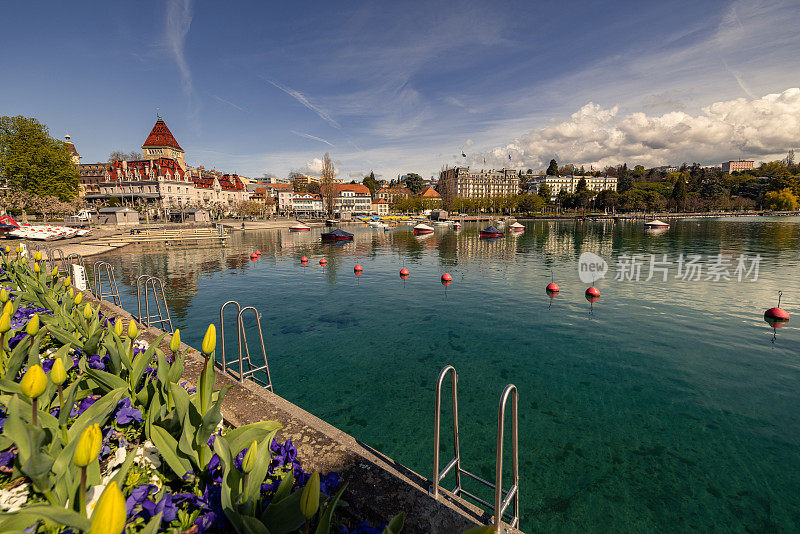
(118, 155)
(328, 186)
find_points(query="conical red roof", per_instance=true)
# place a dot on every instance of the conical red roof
(161, 136)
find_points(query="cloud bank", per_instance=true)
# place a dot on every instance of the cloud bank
(761, 128)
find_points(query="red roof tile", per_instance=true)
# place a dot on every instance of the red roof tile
(161, 136)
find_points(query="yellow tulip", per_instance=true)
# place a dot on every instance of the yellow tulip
(88, 312)
(175, 342)
(8, 249)
(5, 323)
(37, 256)
(88, 447)
(110, 514)
(67, 281)
(132, 330)
(118, 326)
(54, 272)
(34, 382)
(58, 374)
(8, 309)
(18, 249)
(33, 325)
(309, 500)
(3, 295)
(210, 340)
(78, 298)
(249, 461)
(36, 268)
(71, 292)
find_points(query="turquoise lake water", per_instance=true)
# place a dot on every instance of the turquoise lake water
(664, 406)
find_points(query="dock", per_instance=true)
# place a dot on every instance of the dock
(168, 236)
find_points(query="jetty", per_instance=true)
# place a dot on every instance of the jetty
(168, 236)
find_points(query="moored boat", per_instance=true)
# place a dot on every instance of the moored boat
(299, 227)
(492, 231)
(337, 235)
(656, 224)
(422, 229)
(516, 227)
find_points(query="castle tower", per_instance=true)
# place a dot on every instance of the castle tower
(162, 144)
(76, 158)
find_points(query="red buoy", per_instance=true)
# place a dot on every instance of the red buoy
(777, 316)
(258, 252)
(552, 287)
(358, 269)
(404, 272)
(303, 260)
(323, 261)
(592, 294)
(254, 256)
(447, 278)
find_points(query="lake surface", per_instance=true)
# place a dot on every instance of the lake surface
(664, 406)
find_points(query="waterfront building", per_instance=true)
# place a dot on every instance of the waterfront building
(430, 195)
(162, 144)
(737, 166)
(353, 199)
(570, 183)
(459, 182)
(307, 204)
(91, 176)
(76, 158)
(380, 207)
(302, 181)
(393, 194)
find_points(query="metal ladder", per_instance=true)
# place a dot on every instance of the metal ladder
(502, 498)
(76, 259)
(156, 319)
(241, 339)
(113, 292)
(51, 257)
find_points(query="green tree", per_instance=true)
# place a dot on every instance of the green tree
(545, 192)
(413, 181)
(32, 161)
(530, 203)
(679, 193)
(552, 170)
(581, 186)
(624, 180)
(781, 200)
(371, 183)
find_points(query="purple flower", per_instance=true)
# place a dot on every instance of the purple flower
(205, 522)
(329, 483)
(126, 413)
(7, 460)
(165, 505)
(83, 405)
(137, 497)
(16, 338)
(97, 362)
(47, 365)
(24, 313)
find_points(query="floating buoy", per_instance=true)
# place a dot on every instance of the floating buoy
(303, 260)
(323, 261)
(358, 269)
(447, 279)
(552, 289)
(258, 252)
(777, 316)
(254, 256)
(404, 273)
(592, 294)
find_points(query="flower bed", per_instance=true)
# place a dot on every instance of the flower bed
(138, 449)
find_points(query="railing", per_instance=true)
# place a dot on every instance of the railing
(99, 268)
(146, 282)
(246, 369)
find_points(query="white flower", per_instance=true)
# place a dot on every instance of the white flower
(93, 494)
(141, 344)
(13, 499)
(119, 457)
(147, 456)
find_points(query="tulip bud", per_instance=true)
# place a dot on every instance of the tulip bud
(88, 312)
(78, 298)
(109, 514)
(210, 340)
(5, 323)
(3, 295)
(67, 281)
(175, 342)
(8, 309)
(58, 374)
(249, 461)
(118, 326)
(309, 500)
(71, 292)
(18, 249)
(88, 447)
(132, 330)
(36, 267)
(54, 272)
(37, 256)
(8, 249)
(34, 382)
(33, 325)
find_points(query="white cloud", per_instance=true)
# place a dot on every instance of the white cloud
(315, 166)
(762, 128)
(303, 99)
(313, 137)
(178, 21)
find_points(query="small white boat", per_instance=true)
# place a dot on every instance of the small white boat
(299, 227)
(378, 224)
(656, 224)
(516, 227)
(421, 229)
(441, 223)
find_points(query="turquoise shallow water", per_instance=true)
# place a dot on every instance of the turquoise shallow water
(664, 406)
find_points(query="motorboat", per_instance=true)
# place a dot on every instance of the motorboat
(421, 229)
(516, 227)
(492, 231)
(337, 235)
(299, 227)
(656, 224)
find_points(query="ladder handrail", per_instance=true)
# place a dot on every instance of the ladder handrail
(502, 498)
(456, 461)
(112, 282)
(243, 337)
(139, 295)
(146, 281)
(222, 329)
(500, 503)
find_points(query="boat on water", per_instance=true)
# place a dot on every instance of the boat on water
(46, 232)
(299, 227)
(656, 224)
(492, 231)
(516, 227)
(421, 229)
(8, 223)
(330, 222)
(442, 223)
(456, 225)
(377, 224)
(337, 235)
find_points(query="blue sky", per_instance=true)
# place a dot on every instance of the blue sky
(406, 87)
